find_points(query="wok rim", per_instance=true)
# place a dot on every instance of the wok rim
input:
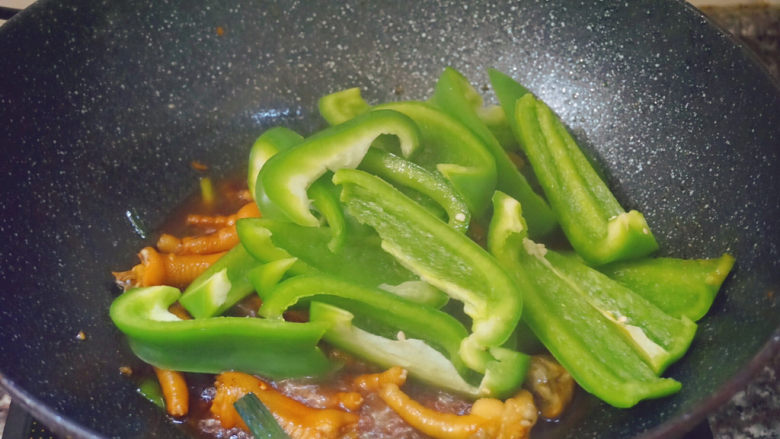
(674, 427)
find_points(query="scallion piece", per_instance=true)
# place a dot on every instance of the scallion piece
(256, 416)
(150, 389)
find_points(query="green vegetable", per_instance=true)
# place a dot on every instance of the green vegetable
(377, 310)
(285, 178)
(453, 150)
(418, 357)
(679, 287)
(258, 418)
(266, 146)
(325, 198)
(596, 349)
(494, 118)
(447, 146)
(374, 245)
(256, 240)
(660, 338)
(150, 389)
(360, 260)
(271, 348)
(342, 106)
(410, 175)
(221, 286)
(419, 292)
(455, 96)
(594, 222)
(321, 191)
(442, 257)
(265, 277)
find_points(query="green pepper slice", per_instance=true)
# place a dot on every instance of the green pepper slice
(377, 310)
(410, 175)
(342, 106)
(321, 191)
(585, 341)
(285, 178)
(451, 149)
(680, 287)
(271, 348)
(660, 338)
(266, 146)
(455, 96)
(494, 118)
(594, 222)
(416, 356)
(221, 286)
(441, 256)
(360, 260)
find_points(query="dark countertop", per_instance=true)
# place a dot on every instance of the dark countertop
(758, 27)
(753, 413)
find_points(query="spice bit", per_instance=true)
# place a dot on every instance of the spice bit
(199, 166)
(220, 31)
(81, 336)
(125, 370)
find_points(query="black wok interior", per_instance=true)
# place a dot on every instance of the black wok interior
(104, 105)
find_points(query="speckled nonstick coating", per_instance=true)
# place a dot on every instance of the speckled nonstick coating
(104, 104)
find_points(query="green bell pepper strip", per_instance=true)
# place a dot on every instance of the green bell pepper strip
(442, 257)
(659, 337)
(458, 156)
(508, 91)
(258, 243)
(265, 277)
(418, 291)
(416, 356)
(594, 222)
(455, 96)
(494, 118)
(453, 150)
(580, 337)
(408, 174)
(221, 286)
(681, 288)
(321, 191)
(378, 310)
(325, 199)
(272, 348)
(285, 178)
(266, 146)
(342, 106)
(361, 259)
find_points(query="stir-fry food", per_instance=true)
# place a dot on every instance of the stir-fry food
(397, 275)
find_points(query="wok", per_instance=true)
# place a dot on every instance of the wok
(104, 104)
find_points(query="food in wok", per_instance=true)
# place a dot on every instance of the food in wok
(439, 268)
